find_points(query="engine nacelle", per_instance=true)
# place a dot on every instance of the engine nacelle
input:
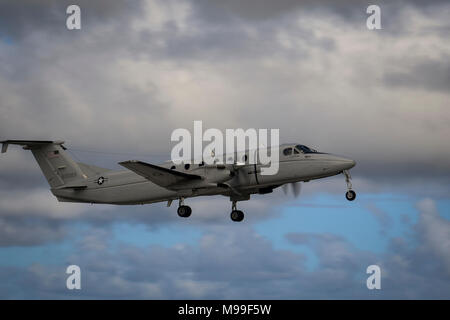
(218, 174)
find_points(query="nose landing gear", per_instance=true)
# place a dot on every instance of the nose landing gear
(236, 215)
(350, 194)
(183, 211)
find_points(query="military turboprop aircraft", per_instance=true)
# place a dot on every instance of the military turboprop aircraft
(143, 183)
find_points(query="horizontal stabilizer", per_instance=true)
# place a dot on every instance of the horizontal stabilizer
(161, 176)
(27, 143)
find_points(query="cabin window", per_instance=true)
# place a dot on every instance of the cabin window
(305, 149)
(296, 151)
(172, 167)
(187, 166)
(287, 151)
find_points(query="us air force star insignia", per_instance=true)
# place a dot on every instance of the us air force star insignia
(100, 180)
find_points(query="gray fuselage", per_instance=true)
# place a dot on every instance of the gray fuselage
(126, 187)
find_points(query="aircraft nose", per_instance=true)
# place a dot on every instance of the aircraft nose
(341, 163)
(347, 163)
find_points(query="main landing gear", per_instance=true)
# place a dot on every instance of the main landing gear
(236, 215)
(183, 211)
(350, 194)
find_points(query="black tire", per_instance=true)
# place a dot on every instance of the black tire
(237, 215)
(184, 211)
(189, 211)
(350, 195)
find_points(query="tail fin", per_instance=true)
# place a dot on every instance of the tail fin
(58, 167)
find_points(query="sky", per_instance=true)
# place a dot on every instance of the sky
(137, 70)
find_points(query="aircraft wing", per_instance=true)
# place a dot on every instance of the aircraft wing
(161, 176)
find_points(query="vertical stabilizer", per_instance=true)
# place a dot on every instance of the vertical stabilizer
(57, 166)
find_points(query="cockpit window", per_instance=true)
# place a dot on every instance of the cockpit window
(305, 149)
(287, 151)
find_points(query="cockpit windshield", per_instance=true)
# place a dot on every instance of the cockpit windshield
(305, 149)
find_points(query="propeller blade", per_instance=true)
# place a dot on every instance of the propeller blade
(296, 187)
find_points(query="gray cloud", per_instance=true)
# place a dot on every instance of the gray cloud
(19, 20)
(350, 11)
(134, 73)
(382, 217)
(32, 216)
(28, 231)
(435, 233)
(235, 262)
(430, 75)
(124, 83)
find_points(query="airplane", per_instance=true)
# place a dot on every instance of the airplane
(143, 183)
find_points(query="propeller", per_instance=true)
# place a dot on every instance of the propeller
(294, 186)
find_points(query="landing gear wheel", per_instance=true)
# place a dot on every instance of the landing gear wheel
(237, 215)
(184, 211)
(350, 195)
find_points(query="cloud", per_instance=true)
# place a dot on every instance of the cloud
(431, 75)
(38, 202)
(435, 232)
(122, 85)
(34, 216)
(383, 218)
(138, 70)
(19, 20)
(29, 231)
(147, 77)
(236, 262)
(209, 270)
